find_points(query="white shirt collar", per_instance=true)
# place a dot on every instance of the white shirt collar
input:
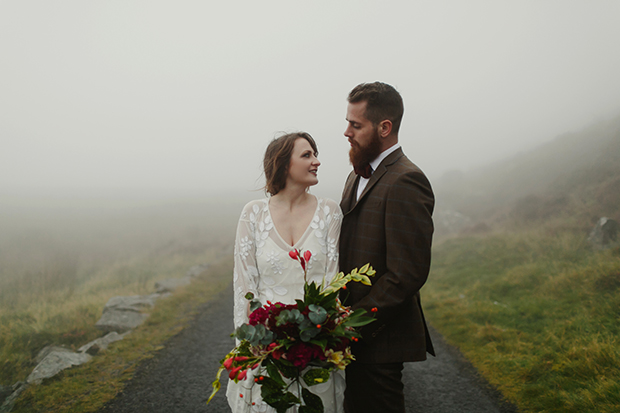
(375, 164)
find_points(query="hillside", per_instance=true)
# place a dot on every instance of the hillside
(576, 174)
(515, 283)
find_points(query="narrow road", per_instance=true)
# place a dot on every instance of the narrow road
(179, 377)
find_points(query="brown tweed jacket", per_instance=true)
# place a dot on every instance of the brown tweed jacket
(390, 227)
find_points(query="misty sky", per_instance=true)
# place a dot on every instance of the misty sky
(186, 95)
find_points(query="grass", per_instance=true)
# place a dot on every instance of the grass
(88, 387)
(537, 313)
(61, 260)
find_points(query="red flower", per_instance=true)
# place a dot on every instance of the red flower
(307, 255)
(233, 373)
(294, 254)
(258, 316)
(301, 354)
(228, 363)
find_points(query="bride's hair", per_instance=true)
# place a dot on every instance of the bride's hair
(278, 157)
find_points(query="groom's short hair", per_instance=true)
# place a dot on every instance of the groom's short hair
(382, 102)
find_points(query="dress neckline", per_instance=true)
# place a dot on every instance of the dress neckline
(303, 236)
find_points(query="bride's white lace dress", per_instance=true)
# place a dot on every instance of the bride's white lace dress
(263, 267)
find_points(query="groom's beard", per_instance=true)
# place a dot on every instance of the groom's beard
(360, 156)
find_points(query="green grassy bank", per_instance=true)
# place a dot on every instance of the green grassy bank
(538, 314)
(88, 387)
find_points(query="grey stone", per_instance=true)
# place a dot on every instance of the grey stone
(120, 320)
(196, 270)
(54, 363)
(49, 349)
(101, 343)
(172, 284)
(604, 234)
(9, 402)
(131, 303)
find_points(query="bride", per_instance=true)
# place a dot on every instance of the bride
(291, 218)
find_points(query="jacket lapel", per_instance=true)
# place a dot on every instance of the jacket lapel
(381, 170)
(348, 195)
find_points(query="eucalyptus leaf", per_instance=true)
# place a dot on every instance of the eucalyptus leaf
(255, 304)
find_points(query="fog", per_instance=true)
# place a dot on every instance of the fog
(153, 97)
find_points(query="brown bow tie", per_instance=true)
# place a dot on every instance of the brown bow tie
(364, 172)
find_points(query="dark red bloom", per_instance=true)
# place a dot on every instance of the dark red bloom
(301, 354)
(258, 316)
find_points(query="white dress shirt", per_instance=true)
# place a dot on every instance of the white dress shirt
(361, 185)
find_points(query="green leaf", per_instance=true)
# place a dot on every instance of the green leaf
(308, 334)
(255, 304)
(245, 332)
(316, 376)
(249, 296)
(283, 317)
(273, 372)
(317, 314)
(321, 343)
(314, 404)
(287, 368)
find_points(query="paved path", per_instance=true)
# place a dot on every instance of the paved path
(178, 378)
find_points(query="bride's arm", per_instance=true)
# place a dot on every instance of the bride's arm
(334, 222)
(245, 272)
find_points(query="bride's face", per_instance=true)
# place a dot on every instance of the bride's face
(304, 165)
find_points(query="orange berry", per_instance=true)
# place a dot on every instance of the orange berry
(344, 287)
(374, 309)
(318, 326)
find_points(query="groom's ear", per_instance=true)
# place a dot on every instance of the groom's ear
(385, 128)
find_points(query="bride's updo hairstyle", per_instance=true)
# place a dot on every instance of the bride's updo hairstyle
(278, 158)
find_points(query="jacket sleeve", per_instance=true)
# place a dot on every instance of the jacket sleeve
(408, 233)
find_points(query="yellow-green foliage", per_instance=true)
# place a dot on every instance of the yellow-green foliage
(537, 312)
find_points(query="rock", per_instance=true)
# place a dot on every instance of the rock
(121, 314)
(171, 284)
(101, 343)
(604, 234)
(54, 363)
(9, 402)
(49, 349)
(196, 270)
(132, 303)
(120, 320)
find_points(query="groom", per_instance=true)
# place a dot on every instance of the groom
(387, 204)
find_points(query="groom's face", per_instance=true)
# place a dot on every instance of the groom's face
(362, 134)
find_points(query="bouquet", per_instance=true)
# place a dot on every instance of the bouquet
(281, 341)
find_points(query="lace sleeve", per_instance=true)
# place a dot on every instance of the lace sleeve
(245, 272)
(334, 222)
